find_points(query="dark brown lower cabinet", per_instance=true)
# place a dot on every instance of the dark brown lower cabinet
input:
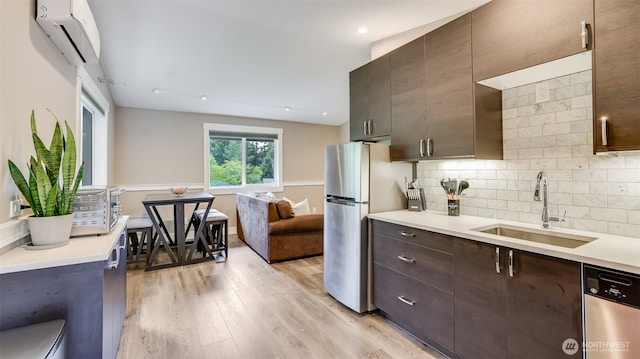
(413, 281)
(424, 311)
(526, 310)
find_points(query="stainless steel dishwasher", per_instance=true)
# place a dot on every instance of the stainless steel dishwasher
(612, 314)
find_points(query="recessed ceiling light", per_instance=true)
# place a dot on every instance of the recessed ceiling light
(203, 97)
(287, 108)
(362, 30)
(155, 90)
(325, 113)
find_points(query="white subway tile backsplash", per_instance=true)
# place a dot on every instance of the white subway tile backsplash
(573, 163)
(623, 175)
(556, 129)
(581, 101)
(581, 77)
(557, 152)
(541, 142)
(609, 215)
(621, 229)
(600, 193)
(633, 217)
(590, 200)
(591, 225)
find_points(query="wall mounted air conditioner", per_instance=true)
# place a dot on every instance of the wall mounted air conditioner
(72, 28)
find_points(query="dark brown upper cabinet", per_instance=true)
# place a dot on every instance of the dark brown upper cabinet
(455, 126)
(509, 35)
(616, 76)
(408, 105)
(436, 111)
(370, 100)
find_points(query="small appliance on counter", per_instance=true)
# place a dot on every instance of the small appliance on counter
(96, 210)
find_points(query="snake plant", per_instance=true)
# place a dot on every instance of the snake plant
(53, 182)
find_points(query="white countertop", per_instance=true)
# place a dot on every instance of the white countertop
(615, 252)
(79, 250)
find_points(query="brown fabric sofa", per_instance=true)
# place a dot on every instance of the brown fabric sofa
(273, 238)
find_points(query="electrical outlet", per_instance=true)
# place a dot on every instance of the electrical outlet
(313, 210)
(542, 92)
(14, 208)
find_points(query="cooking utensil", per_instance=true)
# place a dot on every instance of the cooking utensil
(462, 186)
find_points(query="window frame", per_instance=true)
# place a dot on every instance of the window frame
(276, 186)
(90, 96)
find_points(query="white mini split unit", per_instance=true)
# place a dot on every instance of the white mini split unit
(72, 28)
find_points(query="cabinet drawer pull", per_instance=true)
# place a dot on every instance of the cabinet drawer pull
(405, 300)
(585, 35)
(511, 263)
(407, 234)
(498, 266)
(406, 259)
(603, 132)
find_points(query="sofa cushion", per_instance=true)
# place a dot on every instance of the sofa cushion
(284, 209)
(298, 224)
(301, 207)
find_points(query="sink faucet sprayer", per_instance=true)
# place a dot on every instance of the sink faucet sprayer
(546, 219)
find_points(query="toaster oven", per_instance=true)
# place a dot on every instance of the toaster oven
(96, 210)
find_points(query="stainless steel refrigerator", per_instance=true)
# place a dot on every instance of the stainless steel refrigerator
(359, 179)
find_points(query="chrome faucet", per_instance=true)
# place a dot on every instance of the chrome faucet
(546, 219)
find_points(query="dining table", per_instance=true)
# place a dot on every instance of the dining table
(175, 244)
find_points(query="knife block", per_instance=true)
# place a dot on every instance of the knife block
(418, 202)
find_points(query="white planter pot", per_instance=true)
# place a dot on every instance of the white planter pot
(49, 231)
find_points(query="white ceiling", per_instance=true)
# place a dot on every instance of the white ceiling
(250, 58)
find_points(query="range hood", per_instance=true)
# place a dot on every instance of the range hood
(549, 70)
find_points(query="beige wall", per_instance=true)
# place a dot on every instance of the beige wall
(33, 76)
(157, 149)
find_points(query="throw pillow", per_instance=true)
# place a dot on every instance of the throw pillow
(301, 207)
(284, 209)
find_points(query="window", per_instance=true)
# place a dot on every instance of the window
(242, 157)
(92, 128)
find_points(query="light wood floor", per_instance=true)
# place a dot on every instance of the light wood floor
(246, 308)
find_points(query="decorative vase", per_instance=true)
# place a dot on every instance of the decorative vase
(50, 231)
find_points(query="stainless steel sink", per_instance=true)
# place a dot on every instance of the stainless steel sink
(537, 235)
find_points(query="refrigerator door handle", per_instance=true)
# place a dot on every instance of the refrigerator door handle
(342, 201)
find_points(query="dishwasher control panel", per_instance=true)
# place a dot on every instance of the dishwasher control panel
(620, 287)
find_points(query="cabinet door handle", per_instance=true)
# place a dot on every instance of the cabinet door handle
(405, 300)
(585, 35)
(369, 127)
(498, 266)
(407, 234)
(511, 263)
(364, 127)
(603, 132)
(422, 148)
(406, 259)
(429, 147)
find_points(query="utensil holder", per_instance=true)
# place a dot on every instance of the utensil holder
(453, 207)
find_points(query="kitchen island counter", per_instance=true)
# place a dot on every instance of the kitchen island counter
(79, 250)
(610, 251)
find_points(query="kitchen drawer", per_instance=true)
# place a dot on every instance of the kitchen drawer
(433, 240)
(422, 310)
(427, 265)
